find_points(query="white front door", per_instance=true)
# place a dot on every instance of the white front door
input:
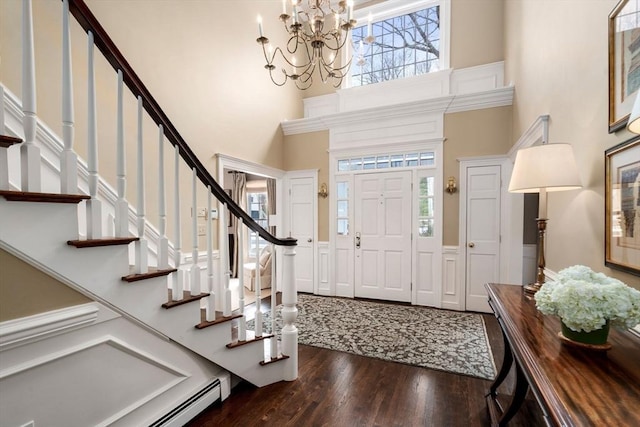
(302, 215)
(483, 234)
(382, 233)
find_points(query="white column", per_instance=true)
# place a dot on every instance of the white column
(211, 305)
(242, 325)
(195, 268)
(121, 206)
(178, 276)
(163, 241)
(68, 158)
(289, 313)
(141, 246)
(29, 152)
(94, 206)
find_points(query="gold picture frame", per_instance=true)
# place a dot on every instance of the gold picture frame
(624, 62)
(622, 206)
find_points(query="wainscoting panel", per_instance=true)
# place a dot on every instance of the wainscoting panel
(323, 269)
(452, 294)
(426, 292)
(97, 369)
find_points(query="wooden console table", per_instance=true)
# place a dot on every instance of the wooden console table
(573, 386)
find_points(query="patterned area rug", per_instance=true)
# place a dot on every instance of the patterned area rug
(438, 339)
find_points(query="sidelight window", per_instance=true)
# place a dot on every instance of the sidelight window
(426, 207)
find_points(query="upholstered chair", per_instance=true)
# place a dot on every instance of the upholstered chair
(265, 271)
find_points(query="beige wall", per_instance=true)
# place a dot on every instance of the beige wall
(25, 291)
(468, 134)
(556, 55)
(476, 32)
(309, 151)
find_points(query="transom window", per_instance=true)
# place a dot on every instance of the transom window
(404, 45)
(384, 161)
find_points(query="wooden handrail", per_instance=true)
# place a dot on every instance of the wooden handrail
(105, 44)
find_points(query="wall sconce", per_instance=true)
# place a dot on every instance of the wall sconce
(451, 186)
(323, 191)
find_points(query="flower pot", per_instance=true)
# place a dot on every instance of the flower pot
(597, 337)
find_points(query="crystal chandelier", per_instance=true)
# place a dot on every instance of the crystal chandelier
(318, 30)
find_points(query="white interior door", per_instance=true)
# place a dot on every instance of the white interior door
(302, 213)
(382, 232)
(483, 234)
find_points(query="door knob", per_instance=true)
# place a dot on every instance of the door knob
(309, 240)
(471, 245)
(357, 240)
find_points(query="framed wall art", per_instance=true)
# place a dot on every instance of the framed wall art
(622, 206)
(624, 61)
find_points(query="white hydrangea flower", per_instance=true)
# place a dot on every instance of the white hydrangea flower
(586, 300)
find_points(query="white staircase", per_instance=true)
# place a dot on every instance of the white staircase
(43, 230)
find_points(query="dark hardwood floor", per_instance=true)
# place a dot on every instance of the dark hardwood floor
(341, 389)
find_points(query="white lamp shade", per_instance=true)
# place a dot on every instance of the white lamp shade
(549, 166)
(634, 118)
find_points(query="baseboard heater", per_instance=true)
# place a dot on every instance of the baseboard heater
(191, 407)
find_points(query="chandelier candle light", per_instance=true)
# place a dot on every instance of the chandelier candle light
(317, 32)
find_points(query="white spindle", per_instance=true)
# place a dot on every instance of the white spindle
(4, 153)
(256, 282)
(195, 268)
(94, 206)
(178, 276)
(163, 241)
(29, 152)
(274, 339)
(289, 313)
(68, 158)
(242, 325)
(2, 129)
(224, 261)
(122, 206)
(211, 303)
(141, 246)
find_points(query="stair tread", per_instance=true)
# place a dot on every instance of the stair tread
(186, 298)
(107, 241)
(249, 341)
(7, 141)
(221, 319)
(273, 360)
(24, 196)
(153, 272)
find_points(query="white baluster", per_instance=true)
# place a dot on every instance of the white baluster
(68, 158)
(2, 129)
(163, 241)
(122, 206)
(256, 282)
(274, 339)
(289, 313)
(141, 246)
(29, 152)
(242, 325)
(195, 268)
(178, 276)
(211, 303)
(224, 261)
(94, 206)
(4, 153)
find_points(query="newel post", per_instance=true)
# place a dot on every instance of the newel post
(289, 313)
